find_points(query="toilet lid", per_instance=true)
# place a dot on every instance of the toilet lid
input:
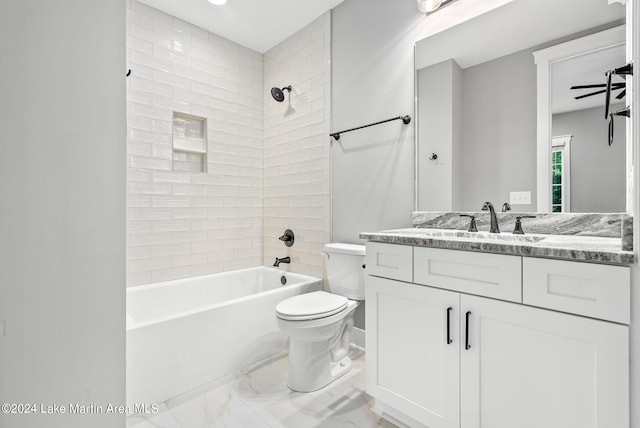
(307, 306)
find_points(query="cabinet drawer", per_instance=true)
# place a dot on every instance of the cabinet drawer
(491, 275)
(390, 261)
(598, 291)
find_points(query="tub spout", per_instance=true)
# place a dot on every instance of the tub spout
(282, 260)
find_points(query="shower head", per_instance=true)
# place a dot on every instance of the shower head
(277, 93)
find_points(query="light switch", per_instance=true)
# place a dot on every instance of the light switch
(520, 198)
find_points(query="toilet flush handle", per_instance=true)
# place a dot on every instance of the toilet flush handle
(364, 266)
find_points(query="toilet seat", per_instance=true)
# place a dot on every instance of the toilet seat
(309, 306)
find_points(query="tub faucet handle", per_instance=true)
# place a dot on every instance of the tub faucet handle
(288, 238)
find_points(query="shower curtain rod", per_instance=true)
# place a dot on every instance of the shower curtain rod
(405, 119)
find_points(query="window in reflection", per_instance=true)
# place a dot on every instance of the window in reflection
(560, 164)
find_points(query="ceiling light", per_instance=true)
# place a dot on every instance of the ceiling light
(430, 6)
(218, 2)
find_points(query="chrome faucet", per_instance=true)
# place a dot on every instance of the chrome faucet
(494, 220)
(282, 260)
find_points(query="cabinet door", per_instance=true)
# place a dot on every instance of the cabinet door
(412, 363)
(531, 368)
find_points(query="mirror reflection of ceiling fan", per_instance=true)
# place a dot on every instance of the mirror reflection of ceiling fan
(609, 88)
(614, 87)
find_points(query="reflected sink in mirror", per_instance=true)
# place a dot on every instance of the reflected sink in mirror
(505, 237)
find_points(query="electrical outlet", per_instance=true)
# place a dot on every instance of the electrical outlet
(520, 198)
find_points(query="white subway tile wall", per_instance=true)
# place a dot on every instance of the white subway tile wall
(297, 166)
(267, 162)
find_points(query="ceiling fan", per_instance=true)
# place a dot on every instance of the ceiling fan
(609, 87)
(614, 87)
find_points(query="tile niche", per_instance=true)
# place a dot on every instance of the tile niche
(189, 143)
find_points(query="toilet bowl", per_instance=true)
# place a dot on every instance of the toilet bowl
(319, 324)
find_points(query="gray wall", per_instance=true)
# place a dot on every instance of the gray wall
(440, 117)
(498, 149)
(62, 216)
(373, 79)
(598, 181)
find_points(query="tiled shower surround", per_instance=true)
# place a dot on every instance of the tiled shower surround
(267, 162)
(297, 173)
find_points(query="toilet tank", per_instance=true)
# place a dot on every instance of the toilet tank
(345, 269)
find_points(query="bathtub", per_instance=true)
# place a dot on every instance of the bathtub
(184, 333)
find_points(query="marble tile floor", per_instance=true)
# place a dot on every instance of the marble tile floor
(258, 397)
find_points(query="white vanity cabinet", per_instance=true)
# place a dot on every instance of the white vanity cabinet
(444, 358)
(412, 365)
(531, 368)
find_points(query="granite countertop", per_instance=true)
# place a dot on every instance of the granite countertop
(565, 247)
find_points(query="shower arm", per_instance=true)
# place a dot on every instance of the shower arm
(405, 119)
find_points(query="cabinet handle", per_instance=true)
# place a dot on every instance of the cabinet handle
(466, 331)
(449, 341)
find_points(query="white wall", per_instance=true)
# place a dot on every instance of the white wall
(296, 148)
(182, 224)
(268, 162)
(62, 193)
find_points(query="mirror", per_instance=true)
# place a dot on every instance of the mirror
(479, 115)
(582, 173)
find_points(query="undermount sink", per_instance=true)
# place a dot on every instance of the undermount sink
(481, 236)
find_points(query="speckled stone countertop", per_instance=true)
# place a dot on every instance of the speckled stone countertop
(605, 225)
(593, 249)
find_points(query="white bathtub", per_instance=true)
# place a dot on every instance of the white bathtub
(184, 333)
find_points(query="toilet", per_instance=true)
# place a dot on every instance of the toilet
(319, 324)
